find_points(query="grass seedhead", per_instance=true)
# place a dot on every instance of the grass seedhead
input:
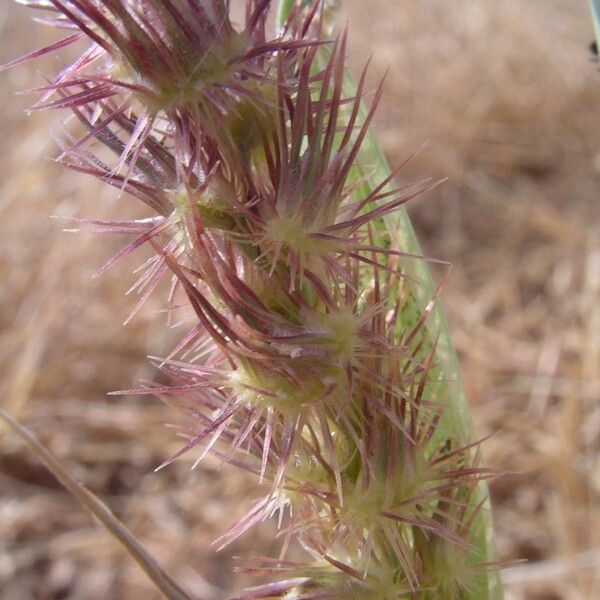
(308, 361)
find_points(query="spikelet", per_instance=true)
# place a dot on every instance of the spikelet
(310, 361)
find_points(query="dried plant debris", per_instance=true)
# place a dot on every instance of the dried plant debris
(506, 323)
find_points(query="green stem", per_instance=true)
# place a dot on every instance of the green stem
(283, 10)
(457, 420)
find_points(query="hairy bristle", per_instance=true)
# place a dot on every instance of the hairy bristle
(310, 360)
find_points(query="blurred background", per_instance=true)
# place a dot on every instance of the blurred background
(508, 98)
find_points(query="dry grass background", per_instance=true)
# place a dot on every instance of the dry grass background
(509, 100)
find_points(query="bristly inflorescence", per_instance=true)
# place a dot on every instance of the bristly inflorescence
(308, 361)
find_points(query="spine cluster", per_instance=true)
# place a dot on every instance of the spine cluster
(309, 361)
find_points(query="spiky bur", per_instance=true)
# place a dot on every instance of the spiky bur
(309, 361)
